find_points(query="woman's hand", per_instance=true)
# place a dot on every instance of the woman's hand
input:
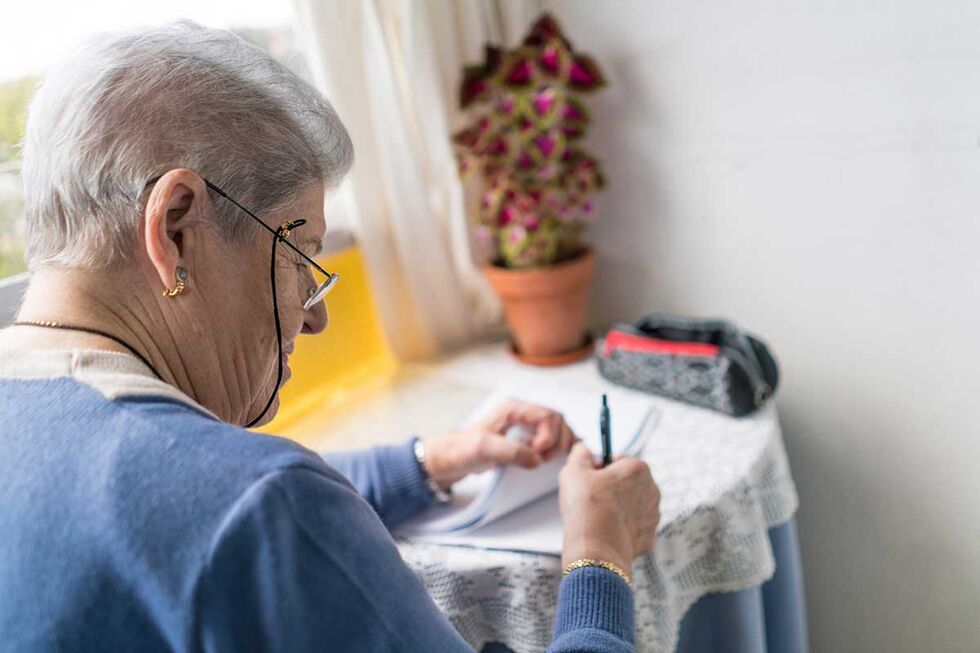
(609, 513)
(449, 458)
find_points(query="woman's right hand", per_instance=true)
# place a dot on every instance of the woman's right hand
(609, 513)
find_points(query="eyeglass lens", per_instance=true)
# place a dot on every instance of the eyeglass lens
(321, 291)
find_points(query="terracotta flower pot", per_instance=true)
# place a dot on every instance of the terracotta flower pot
(546, 308)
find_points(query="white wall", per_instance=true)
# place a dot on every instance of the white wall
(812, 170)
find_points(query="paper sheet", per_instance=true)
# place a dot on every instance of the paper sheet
(517, 508)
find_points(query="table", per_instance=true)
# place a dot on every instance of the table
(727, 519)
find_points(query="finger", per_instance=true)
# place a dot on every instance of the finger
(515, 411)
(566, 439)
(619, 461)
(546, 423)
(629, 466)
(581, 457)
(550, 434)
(547, 434)
(504, 451)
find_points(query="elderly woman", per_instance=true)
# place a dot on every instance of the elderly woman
(166, 172)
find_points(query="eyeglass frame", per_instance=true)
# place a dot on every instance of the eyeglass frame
(320, 291)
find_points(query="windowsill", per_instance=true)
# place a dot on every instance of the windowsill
(416, 398)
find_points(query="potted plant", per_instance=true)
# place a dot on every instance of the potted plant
(536, 186)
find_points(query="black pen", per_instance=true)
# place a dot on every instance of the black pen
(605, 428)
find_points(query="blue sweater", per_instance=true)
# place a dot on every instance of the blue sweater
(142, 523)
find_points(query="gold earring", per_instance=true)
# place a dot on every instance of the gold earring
(181, 275)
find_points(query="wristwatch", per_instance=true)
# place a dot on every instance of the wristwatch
(441, 496)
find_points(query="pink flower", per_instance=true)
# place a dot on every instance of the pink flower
(531, 222)
(547, 171)
(473, 89)
(520, 73)
(516, 234)
(546, 144)
(499, 146)
(581, 75)
(543, 101)
(549, 59)
(572, 112)
(585, 74)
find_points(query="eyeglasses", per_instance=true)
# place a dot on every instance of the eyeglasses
(315, 294)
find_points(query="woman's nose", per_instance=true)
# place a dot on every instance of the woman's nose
(315, 320)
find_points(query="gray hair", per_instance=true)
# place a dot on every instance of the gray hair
(131, 106)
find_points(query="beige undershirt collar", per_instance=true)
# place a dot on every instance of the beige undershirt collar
(112, 374)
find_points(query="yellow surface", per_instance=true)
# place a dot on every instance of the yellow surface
(350, 354)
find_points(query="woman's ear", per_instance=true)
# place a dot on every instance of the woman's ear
(176, 202)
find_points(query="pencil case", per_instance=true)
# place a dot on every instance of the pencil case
(707, 363)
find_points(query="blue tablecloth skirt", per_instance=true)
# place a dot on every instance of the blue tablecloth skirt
(770, 618)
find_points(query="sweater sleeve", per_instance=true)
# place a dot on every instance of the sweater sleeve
(302, 563)
(595, 613)
(388, 477)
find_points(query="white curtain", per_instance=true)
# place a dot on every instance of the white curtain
(391, 68)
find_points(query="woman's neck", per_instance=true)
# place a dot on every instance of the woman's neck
(130, 311)
(168, 333)
(73, 297)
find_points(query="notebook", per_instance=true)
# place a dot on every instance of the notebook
(517, 509)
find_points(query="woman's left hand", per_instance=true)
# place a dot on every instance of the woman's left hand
(449, 458)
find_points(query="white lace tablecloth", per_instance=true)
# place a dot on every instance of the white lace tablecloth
(724, 481)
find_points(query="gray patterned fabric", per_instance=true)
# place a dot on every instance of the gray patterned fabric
(698, 380)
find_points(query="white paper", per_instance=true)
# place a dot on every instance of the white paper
(515, 508)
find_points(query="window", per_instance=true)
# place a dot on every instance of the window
(14, 96)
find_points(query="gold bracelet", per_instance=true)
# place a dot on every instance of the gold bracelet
(589, 562)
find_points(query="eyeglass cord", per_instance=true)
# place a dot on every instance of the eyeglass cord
(275, 314)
